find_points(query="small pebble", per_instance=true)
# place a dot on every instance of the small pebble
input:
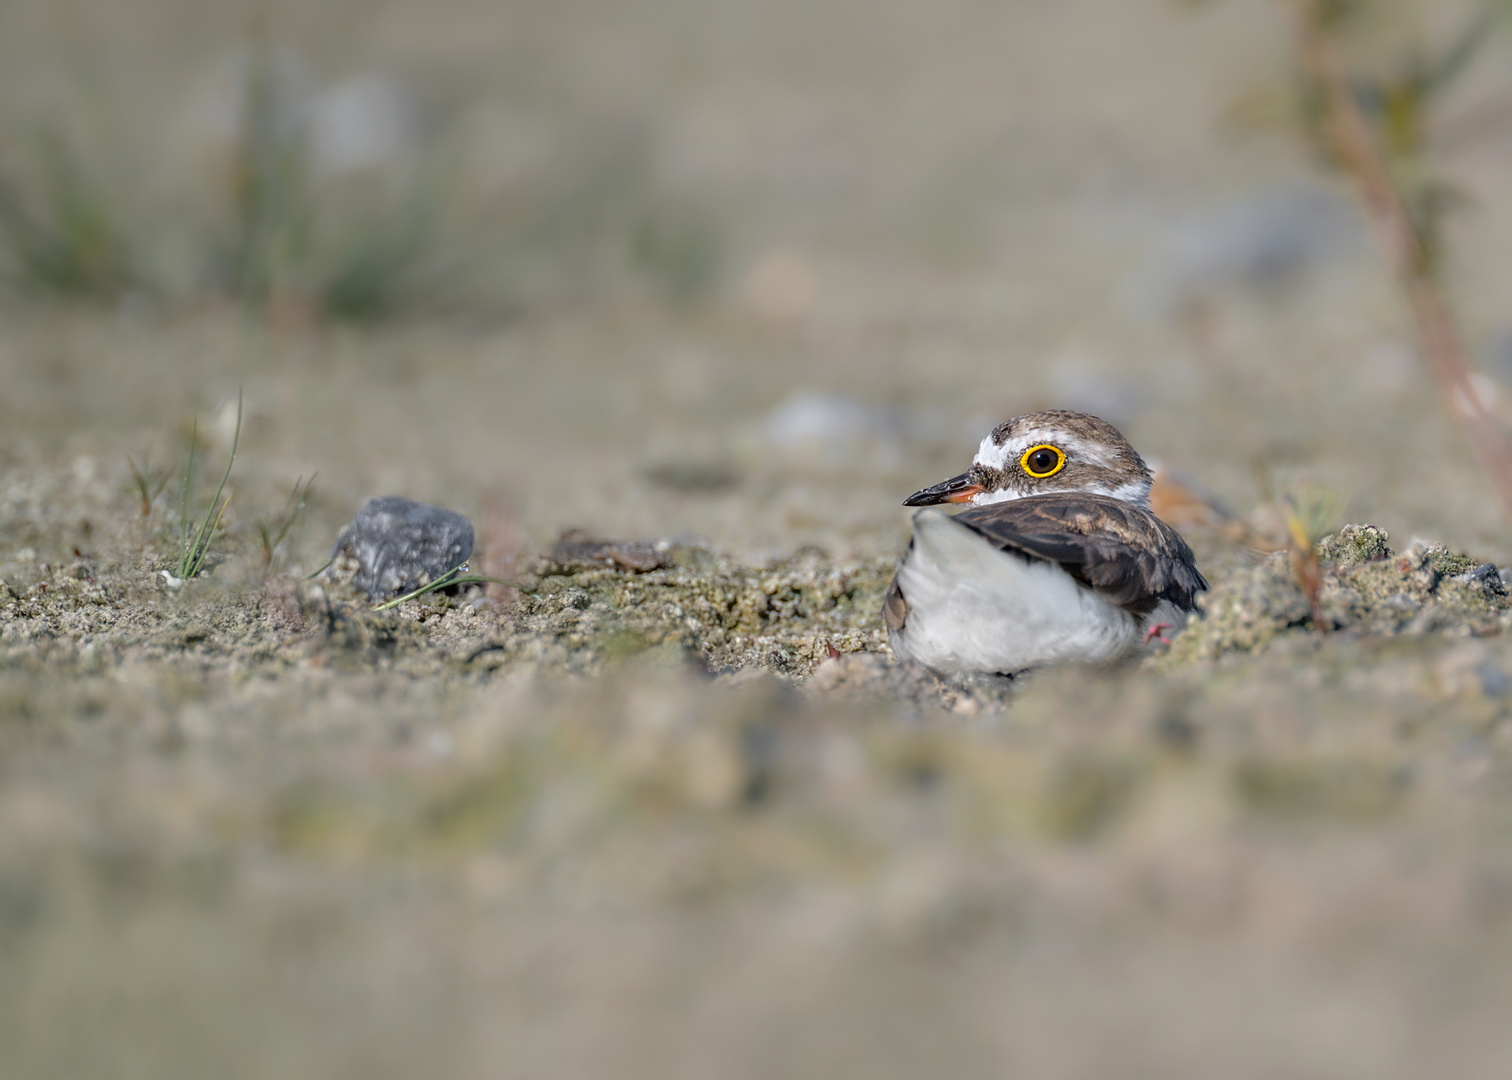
(395, 545)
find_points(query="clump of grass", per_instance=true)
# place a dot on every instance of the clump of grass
(273, 530)
(351, 247)
(596, 220)
(267, 177)
(678, 251)
(377, 258)
(58, 228)
(1307, 514)
(194, 549)
(148, 484)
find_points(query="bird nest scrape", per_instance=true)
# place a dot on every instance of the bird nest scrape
(1365, 589)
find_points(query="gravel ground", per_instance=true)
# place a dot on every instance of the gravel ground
(680, 813)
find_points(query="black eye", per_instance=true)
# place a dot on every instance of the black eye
(1042, 461)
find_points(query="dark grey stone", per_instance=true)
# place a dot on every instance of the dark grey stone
(395, 545)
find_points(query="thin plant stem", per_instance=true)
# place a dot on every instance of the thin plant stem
(184, 507)
(452, 577)
(273, 531)
(142, 476)
(1400, 245)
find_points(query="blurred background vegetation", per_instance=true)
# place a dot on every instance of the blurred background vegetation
(300, 192)
(759, 243)
(303, 158)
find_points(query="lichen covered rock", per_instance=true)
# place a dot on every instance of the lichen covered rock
(1354, 544)
(1365, 589)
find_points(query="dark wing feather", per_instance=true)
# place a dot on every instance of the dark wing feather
(894, 608)
(1122, 551)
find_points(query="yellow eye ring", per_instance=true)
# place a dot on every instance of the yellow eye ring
(1042, 472)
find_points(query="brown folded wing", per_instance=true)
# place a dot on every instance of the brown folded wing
(1123, 552)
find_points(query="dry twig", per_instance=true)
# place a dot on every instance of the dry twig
(1304, 562)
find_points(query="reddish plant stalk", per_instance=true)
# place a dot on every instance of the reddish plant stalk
(1397, 239)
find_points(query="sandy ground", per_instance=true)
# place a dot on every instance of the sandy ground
(644, 824)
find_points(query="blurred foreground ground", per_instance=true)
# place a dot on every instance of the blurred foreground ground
(635, 824)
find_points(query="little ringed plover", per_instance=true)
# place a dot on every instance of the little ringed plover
(1057, 559)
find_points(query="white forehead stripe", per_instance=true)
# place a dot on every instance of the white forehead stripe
(999, 457)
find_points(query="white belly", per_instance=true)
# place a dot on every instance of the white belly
(973, 608)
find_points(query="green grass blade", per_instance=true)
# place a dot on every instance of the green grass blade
(183, 561)
(317, 573)
(451, 577)
(192, 553)
(441, 582)
(212, 516)
(142, 476)
(296, 502)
